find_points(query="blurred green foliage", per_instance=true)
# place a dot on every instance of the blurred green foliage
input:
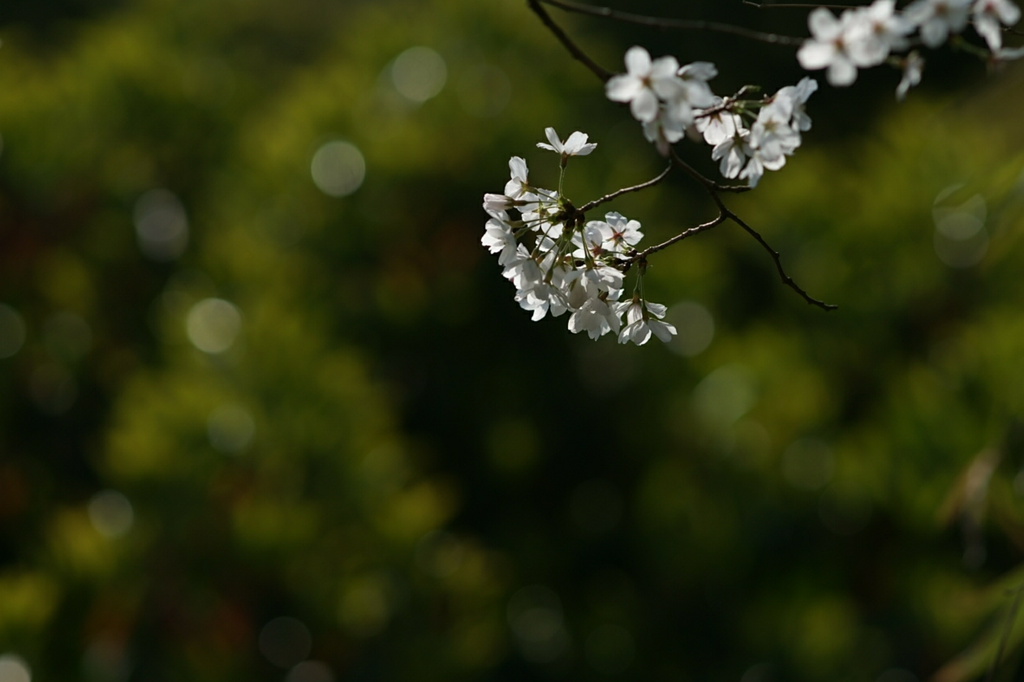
(263, 422)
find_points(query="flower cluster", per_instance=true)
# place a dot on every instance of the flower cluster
(661, 94)
(748, 137)
(863, 37)
(559, 262)
(747, 144)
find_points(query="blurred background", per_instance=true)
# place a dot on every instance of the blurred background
(269, 411)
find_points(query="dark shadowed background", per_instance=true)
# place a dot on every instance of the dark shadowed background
(269, 411)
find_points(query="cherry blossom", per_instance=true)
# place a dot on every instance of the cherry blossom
(575, 145)
(556, 261)
(876, 31)
(643, 319)
(913, 65)
(797, 96)
(828, 47)
(518, 184)
(560, 262)
(718, 125)
(596, 318)
(645, 83)
(937, 19)
(987, 16)
(623, 234)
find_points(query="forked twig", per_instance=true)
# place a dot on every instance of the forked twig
(635, 188)
(574, 49)
(725, 213)
(713, 188)
(641, 256)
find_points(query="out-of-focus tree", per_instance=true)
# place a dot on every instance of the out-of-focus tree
(268, 413)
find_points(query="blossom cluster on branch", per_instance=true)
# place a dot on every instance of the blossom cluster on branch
(561, 262)
(748, 136)
(864, 37)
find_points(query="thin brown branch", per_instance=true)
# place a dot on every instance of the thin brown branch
(672, 24)
(786, 279)
(641, 256)
(713, 188)
(635, 188)
(708, 184)
(574, 49)
(792, 5)
(725, 213)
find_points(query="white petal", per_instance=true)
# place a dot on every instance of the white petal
(556, 144)
(644, 106)
(656, 309)
(814, 55)
(842, 72)
(989, 29)
(664, 67)
(577, 144)
(638, 61)
(663, 330)
(623, 88)
(823, 25)
(517, 167)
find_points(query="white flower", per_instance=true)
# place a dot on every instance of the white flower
(590, 240)
(596, 318)
(590, 282)
(877, 31)
(614, 234)
(622, 234)
(693, 92)
(698, 72)
(936, 19)
(796, 97)
(718, 126)
(522, 270)
(731, 153)
(542, 299)
(913, 65)
(518, 184)
(829, 46)
(497, 202)
(665, 130)
(576, 145)
(988, 14)
(498, 238)
(644, 83)
(771, 140)
(643, 319)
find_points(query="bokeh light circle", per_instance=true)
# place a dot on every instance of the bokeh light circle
(695, 326)
(338, 168)
(419, 74)
(13, 668)
(12, 331)
(161, 225)
(213, 324)
(111, 513)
